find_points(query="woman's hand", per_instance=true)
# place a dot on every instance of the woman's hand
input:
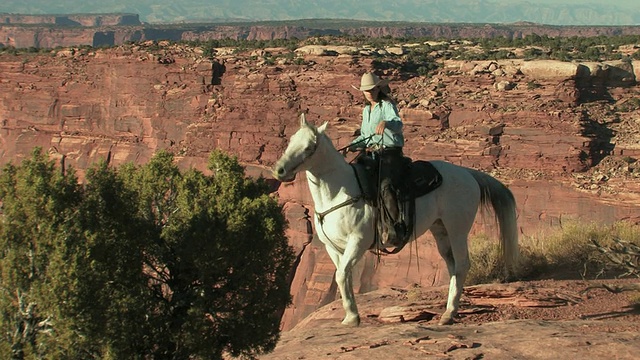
(380, 128)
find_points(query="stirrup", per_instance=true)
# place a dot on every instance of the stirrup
(400, 229)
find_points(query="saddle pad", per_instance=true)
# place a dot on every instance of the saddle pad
(423, 178)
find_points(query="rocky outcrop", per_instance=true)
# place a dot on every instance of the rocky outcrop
(123, 104)
(71, 20)
(118, 29)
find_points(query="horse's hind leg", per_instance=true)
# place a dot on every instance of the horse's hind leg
(453, 249)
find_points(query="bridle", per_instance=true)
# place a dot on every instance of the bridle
(350, 201)
(315, 148)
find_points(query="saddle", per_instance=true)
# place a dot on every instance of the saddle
(420, 178)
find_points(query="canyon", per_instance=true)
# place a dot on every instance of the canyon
(99, 30)
(565, 137)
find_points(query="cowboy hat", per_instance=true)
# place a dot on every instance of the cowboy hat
(370, 81)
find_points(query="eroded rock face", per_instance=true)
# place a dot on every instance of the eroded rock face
(71, 19)
(546, 135)
(118, 29)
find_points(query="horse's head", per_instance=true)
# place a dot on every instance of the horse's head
(300, 151)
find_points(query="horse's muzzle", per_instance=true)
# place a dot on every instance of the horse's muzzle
(279, 173)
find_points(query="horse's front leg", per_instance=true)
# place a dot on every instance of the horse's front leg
(344, 277)
(344, 272)
(345, 284)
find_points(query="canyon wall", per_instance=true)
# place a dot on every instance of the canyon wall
(51, 31)
(549, 130)
(115, 19)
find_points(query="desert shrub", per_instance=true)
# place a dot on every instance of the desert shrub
(531, 85)
(299, 61)
(564, 252)
(269, 60)
(632, 104)
(635, 301)
(486, 263)
(571, 248)
(533, 53)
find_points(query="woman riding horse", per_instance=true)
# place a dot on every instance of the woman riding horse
(381, 132)
(346, 226)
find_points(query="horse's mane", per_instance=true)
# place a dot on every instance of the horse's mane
(321, 134)
(326, 138)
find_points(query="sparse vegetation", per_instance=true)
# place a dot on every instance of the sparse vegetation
(632, 104)
(532, 84)
(635, 301)
(565, 253)
(424, 56)
(621, 254)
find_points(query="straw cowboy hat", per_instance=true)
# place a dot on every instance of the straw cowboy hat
(370, 81)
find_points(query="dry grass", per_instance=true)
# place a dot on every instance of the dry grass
(635, 301)
(566, 252)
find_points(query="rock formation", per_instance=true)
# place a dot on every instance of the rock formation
(24, 31)
(115, 19)
(564, 137)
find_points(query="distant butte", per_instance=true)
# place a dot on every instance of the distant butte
(51, 31)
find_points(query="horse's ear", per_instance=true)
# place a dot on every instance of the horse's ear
(323, 127)
(303, 120)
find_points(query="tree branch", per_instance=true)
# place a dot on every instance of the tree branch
(616, 289)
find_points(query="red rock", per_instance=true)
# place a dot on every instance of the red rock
(112, 104)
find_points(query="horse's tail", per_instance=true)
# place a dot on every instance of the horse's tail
(501, 199)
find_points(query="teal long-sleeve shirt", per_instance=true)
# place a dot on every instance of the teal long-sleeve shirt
(382, 111)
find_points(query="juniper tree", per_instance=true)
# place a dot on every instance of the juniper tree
(140, 262)
(217, 258)
(70, 256)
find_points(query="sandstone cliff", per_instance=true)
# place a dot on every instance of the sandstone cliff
(563, 136)
(72, 19)
(50, 31)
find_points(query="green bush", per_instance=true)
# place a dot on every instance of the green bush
(140, 262)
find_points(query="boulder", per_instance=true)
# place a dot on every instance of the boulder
(543, 69)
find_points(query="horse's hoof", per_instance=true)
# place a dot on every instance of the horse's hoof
(351, 321)
(446, 320)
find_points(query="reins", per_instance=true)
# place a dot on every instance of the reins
(348, 202)
(357, 142)
(321, 215)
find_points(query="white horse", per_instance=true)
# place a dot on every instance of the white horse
(347, 229)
